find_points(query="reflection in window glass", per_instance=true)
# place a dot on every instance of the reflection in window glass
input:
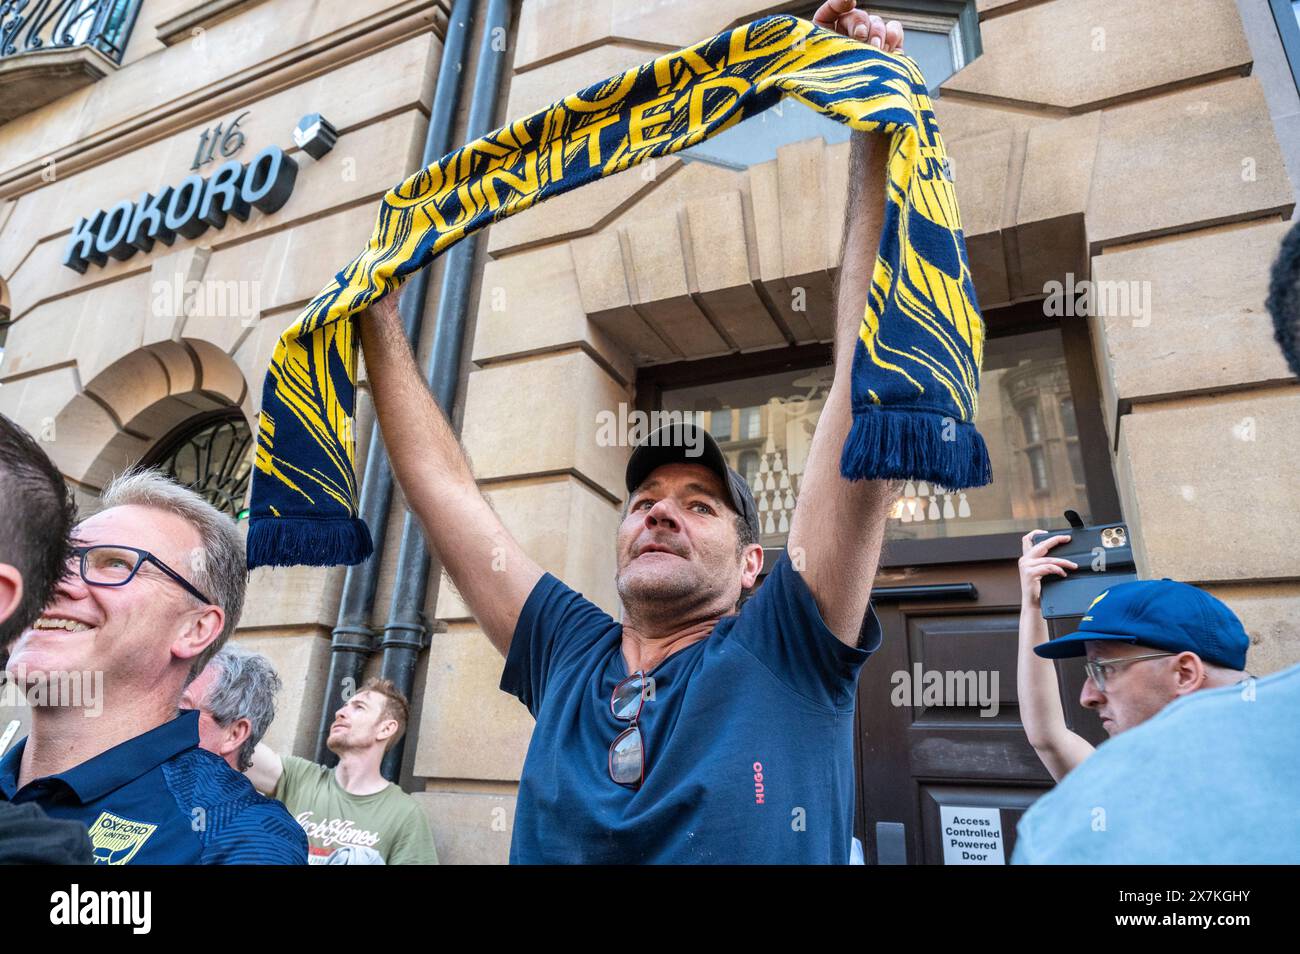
(1068, 424)
(1028, 489)
(777, 414)
(1033, 427)
(1076, 461)
(1037, 468)
(720, 425)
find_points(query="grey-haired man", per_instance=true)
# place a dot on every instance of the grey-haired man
(235, 696)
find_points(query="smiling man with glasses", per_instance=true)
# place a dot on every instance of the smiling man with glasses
(155, 587)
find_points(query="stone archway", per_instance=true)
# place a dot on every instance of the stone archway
(124, 411)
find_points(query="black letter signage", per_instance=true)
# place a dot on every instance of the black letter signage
(188, 209)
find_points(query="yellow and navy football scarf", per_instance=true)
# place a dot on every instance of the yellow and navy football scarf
(915, 368)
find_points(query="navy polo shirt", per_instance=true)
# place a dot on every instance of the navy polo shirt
(160, 799)
(748, 736)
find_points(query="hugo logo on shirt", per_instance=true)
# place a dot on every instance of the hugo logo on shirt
(758, 783)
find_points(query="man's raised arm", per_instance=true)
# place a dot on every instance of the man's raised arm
(491, 571)
(839, 525)
(266, 769)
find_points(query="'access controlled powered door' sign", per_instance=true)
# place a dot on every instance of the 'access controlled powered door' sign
(971, 836)
(190, 208)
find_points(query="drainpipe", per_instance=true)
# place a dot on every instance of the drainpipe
(353, 639)
(406, 632)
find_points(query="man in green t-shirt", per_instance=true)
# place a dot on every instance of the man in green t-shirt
(351, 813)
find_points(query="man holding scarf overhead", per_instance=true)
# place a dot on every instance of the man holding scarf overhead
(691, 731)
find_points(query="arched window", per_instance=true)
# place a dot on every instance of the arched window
(211, 454)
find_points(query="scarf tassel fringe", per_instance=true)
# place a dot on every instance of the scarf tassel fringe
(885, 444)
(307, 541)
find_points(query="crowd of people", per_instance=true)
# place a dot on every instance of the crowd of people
(660, 736)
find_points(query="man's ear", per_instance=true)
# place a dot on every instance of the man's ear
(1190, 673)
(237, 734)
(385, 729)
(751, 565)
(199, 632)
(11, 590)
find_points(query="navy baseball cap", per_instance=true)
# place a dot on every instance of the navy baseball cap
(1163, 614)
(690, 444)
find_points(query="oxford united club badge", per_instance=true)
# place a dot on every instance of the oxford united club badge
(115, 840)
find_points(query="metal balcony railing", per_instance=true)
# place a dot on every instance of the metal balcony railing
(30, 25)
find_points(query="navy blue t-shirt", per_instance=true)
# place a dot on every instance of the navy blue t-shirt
(748, 736)
(160, 799)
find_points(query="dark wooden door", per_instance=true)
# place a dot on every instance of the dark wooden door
(939, 762)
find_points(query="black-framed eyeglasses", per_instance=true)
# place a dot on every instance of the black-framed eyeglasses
(1100, 669)
(627, 753)
(113, 565)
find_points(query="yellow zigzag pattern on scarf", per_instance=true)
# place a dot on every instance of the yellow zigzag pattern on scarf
(603, 130)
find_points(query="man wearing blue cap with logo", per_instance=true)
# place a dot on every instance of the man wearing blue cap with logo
(1148, 643)
(1207, 777)
(1214, 778)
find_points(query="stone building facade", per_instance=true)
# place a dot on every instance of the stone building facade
(1146, 149)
